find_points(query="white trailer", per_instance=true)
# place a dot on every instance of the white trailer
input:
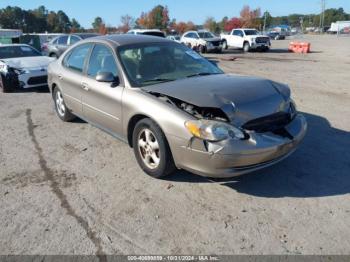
(339, 26)
(10, 33)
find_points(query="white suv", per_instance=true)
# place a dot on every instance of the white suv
(202, 40)
(247, 39)
(154, 32)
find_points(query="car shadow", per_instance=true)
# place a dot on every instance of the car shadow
(42, 89)
(319, 168)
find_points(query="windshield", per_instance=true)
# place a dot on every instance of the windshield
(205, 35)
(17, 51)
(147, 64)
(251, 32)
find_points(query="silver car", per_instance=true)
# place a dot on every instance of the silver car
(175, 109)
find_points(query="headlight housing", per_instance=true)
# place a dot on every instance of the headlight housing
(20, 71)
(211, 130)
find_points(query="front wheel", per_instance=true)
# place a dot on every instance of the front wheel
(3, 88)
(151, 149)
(60, 106)
(246, 47)
(224, 45)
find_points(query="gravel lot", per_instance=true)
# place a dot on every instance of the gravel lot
(69, 188)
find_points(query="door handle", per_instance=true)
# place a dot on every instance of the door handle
(60, 77)
(85, 86)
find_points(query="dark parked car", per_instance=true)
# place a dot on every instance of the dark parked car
(58, 45)
(276, 36)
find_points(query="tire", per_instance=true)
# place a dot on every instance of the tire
(246, 47)
(53, 55)
(151, 149)
(3, 88)
(202, 49)
(61, 109)
(224, 45)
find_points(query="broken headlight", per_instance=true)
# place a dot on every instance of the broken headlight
(213, 130)
(20, 71)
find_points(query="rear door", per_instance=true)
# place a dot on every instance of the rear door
(62, 44)
(71, 76)
(102, 102)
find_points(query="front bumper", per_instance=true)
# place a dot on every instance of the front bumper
(260, 45)
(33, 79)
(231, 158)
(214, 48)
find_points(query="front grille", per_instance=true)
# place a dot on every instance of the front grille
(262, 40)
(216, 43)
(270, 123)
(37, 80)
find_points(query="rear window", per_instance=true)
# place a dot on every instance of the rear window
(160, 34)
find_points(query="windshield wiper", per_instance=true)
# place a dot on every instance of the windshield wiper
(158, 80)
(202, 74)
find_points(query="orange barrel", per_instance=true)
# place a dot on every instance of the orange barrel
(291, 46)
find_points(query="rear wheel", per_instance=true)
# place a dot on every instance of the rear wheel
(151, 149)
(61, 109)
(246, 47)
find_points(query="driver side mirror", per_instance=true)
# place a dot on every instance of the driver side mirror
(107, 77)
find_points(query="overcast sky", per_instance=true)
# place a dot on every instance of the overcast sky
(183, 10)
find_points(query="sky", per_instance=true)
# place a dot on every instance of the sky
(183, 10)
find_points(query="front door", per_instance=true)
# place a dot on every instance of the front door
(102, 101)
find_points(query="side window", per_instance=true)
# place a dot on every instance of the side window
(102, 60)
(62, 40)
(76, 58)
(73, 39)
(54, 41)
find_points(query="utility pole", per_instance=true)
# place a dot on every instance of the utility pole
(323, 8)
(265, 17)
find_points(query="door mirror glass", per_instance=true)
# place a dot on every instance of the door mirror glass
(107, 77)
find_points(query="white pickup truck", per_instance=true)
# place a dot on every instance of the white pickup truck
(247, 39)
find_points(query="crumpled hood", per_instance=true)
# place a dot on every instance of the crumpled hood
(29, 62)
(241, 98)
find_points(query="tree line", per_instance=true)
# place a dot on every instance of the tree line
(42, 20)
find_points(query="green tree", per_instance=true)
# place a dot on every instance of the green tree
(97, 23)
(75, 26)
(211, 25)
(158, 18)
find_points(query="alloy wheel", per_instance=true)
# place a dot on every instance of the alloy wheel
(149, 148)
(61, 108)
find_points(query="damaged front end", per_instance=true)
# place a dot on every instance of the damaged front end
(220, 148)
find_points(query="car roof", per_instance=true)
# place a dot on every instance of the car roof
(7, 45)
(127, 39)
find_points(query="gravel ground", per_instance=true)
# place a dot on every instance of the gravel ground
(69, 188)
